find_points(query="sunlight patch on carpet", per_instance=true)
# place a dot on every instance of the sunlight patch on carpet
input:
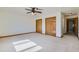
(26, 46)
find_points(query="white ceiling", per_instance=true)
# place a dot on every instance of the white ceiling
(64, 10)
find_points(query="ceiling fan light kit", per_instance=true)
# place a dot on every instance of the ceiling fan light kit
(33, 13)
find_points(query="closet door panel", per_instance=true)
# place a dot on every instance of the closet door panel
(39, 25)
(51, 26)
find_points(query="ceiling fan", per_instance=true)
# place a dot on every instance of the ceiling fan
(33, 10)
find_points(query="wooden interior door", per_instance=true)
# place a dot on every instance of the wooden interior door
(39, 25)
(76, 26)
(50, 26)
(67, 25)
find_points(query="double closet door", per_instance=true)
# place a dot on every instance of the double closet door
(50, 24)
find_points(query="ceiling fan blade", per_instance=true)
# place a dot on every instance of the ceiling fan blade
(28, 12)
(38, 11)
(36, 8)
(28, 9)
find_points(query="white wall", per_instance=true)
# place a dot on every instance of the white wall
(43, 24)
(63, 18)
(78, 24)
(15, 23)
(59, 25)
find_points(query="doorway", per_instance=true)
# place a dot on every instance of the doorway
(72, 26)
(39, 25)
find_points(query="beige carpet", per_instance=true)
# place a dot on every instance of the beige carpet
(69, 43)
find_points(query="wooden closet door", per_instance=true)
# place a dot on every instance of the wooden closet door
(39, 25)
(51, 25)
(48, 27)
